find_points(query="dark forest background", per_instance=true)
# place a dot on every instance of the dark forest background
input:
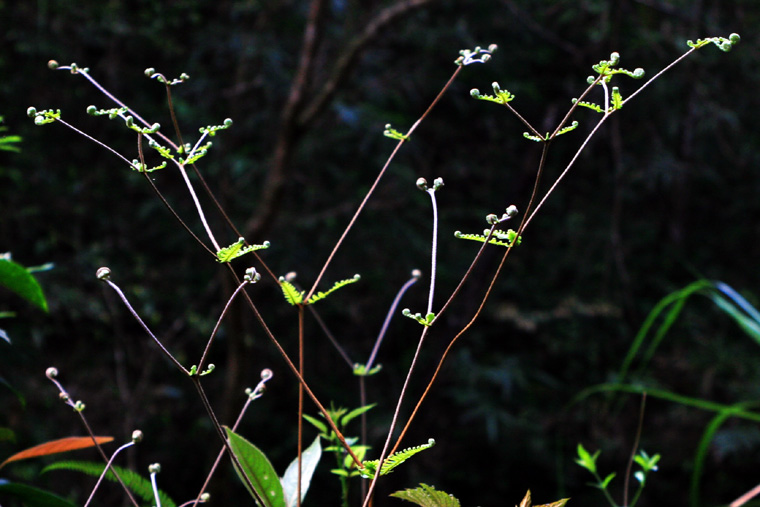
(666, 194)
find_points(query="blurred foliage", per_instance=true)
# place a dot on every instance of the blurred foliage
(666, 194)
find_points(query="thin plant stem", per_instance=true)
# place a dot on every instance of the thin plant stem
(434, 250)
(163, 199)
(218, 323)
(256, 393)
(51, 373)
(155, 488)
(633, 454)
(105, 471)
(220, 432)
(395, 418)
(300, 402)
(377, 181)
(145, 327)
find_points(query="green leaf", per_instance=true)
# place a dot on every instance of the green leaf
(606, 481)
(586, 460)
(747, 323)
(292, 295)
(360, 370)
(337, 285)
(322, 427)
(238, 249)
(136, 483)
(355, 413)
(16, 278)
(392, 461)
(309, 460)
(427, 496)
(258, 470)
(500, 238)
(32, 497)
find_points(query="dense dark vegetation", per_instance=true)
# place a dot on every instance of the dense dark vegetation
(666, 194)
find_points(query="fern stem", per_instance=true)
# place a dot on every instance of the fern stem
(218, 323)
(391, 312)
(145, 327)
(155, 488)
(396, 413)
(377, 181)
(434, 250)
(105, 471)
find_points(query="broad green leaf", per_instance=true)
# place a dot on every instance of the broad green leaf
(136, 483)
(427, 496)
(32, 497)
(258, 470)
(309, 460)
(16, 278)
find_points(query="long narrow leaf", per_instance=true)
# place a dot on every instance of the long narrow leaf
(701, 454)
(32, 497)
(136, 483)
(661, 305)
(688, 401)
(309, 460)
(745, 322)
(739, 300)
(55, 447)
(258, 470)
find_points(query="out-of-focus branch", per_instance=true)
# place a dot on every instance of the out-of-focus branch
(345, 61)
(299, 111)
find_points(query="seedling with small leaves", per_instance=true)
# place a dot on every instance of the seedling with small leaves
(345, 465)
(588, 461)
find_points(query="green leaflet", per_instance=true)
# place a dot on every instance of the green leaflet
(500, 238)
(427, 496)
(370, 467)
(238, 249)
(16, 278)
(295, 296)
(136, 483)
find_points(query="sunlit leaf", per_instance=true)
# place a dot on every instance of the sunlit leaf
(55, 447)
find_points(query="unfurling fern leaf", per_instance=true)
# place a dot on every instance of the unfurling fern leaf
(370, 467)
(427, 496)
(237, 249)
(295, 296)
(292, 295)
(136, 483)
(338, 285)
(501, 238)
